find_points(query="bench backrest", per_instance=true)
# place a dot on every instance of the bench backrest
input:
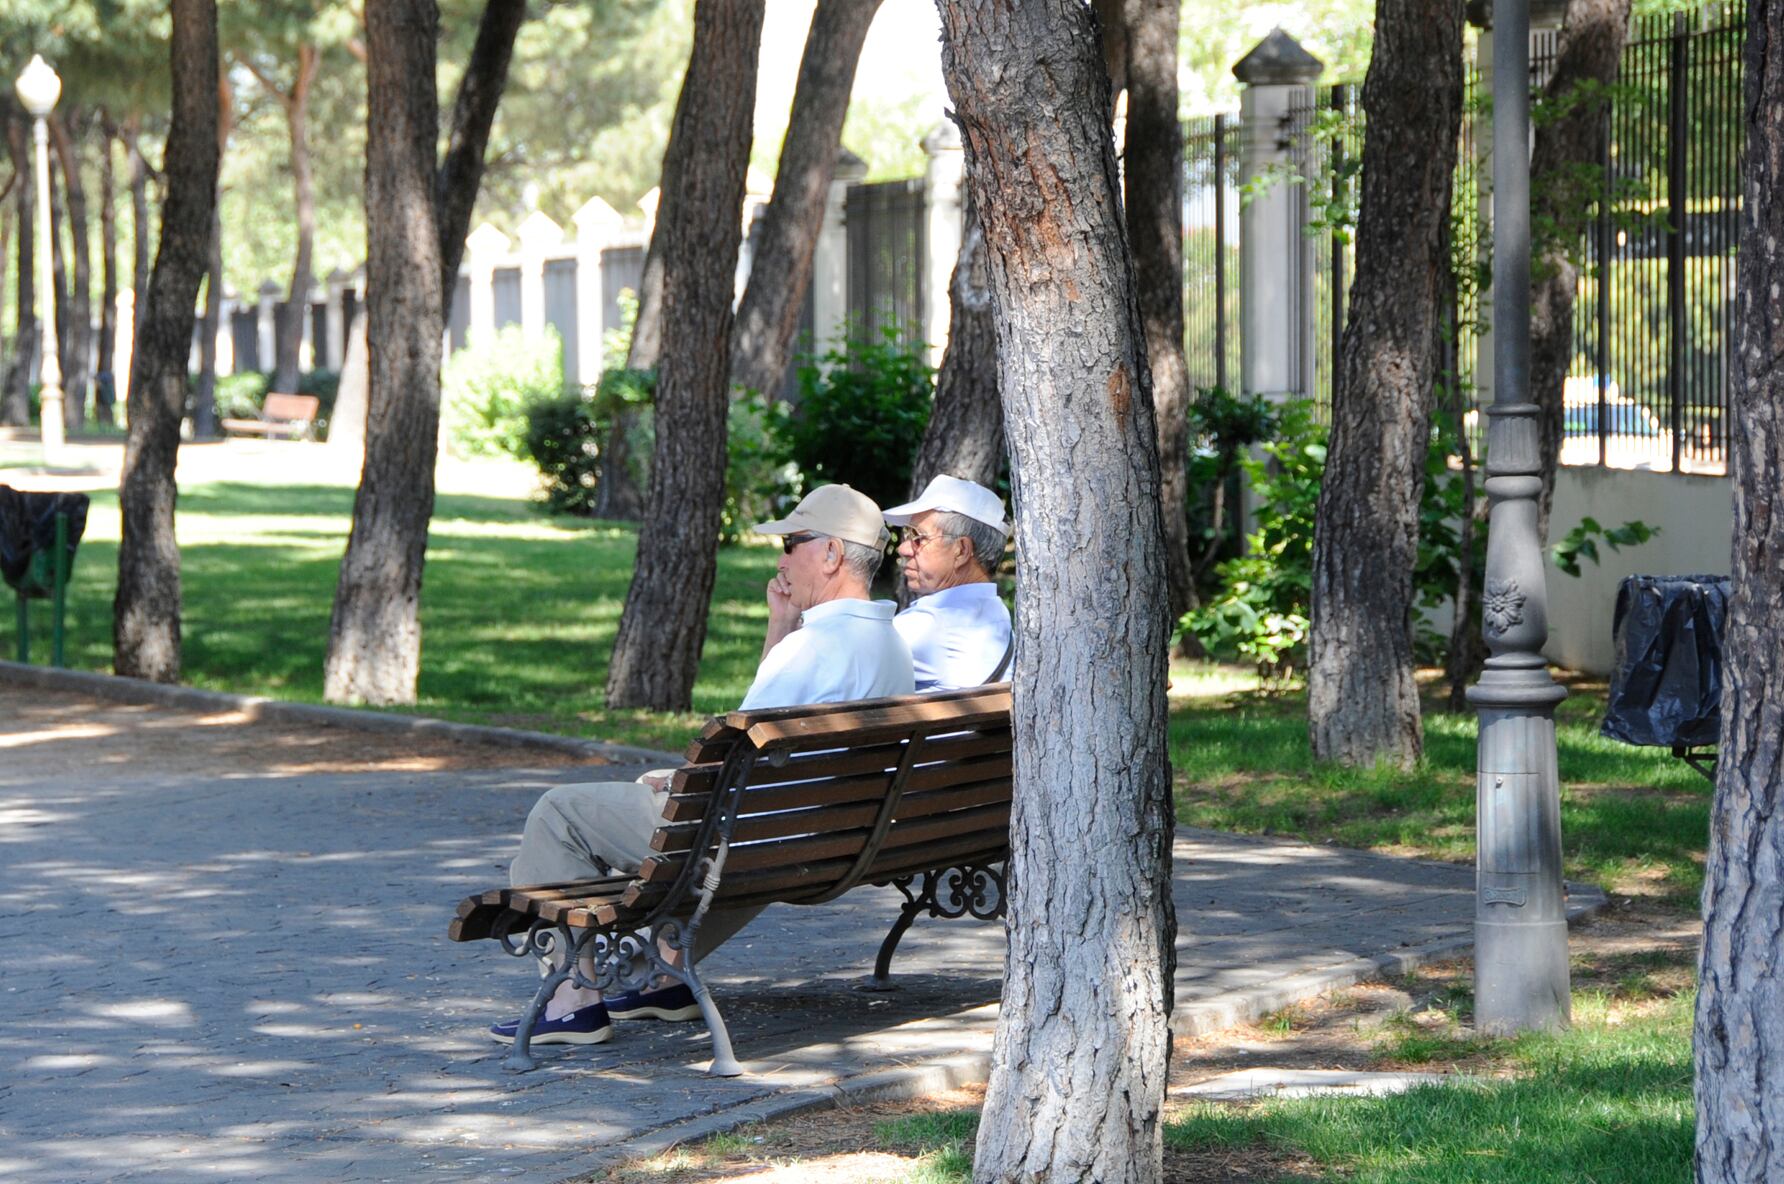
(293, 408)
(827, 797)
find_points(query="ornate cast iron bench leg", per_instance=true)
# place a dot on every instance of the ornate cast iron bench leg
(540, 941)
(950, 892)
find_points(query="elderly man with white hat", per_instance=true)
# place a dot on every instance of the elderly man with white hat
(827, 642)
(957, 627)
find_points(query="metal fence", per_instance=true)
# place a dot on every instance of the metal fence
(885, 224)
(1211, 251)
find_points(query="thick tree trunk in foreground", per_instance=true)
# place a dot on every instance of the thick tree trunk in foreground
(416, 215)
(288, 334)
(780, 268)
(146, 613)
(1080, 1059)
(76, 327)
(374, 651)
(657, 652)
(104, 389)
(965, 436)
(15, 400)
(1739, 1034)
(1362, 703)
(1565, 182)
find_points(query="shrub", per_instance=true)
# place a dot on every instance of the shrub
(489, 387)
(240, 396)
(564, 435)
(860, 417)
(757, 476)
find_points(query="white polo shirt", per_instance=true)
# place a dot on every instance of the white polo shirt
(843, 649)
(957, 636)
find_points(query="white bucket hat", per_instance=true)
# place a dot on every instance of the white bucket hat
(955, 495)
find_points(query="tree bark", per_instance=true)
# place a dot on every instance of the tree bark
(15, 400)
(1154, 167)
(780, 267)
(416, 216)
(1081, 1053)
(1363, 704)
(105, 386)
(965, 436)
(657, 651)
(142, 231)
(77, 333)
(204, 400)
(1565, 182)
(1739, 1033)
(288, 334)
(146, 613)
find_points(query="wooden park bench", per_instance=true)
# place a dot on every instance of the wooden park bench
(794, 805)
(289, 416)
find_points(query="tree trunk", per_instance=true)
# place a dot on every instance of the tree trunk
(77, 342)
(204, 400)
(657, 651)
(288, 333)
(346, 426)
(780, 267)
(965, 436)
(15, 400)
(146, 613)
(1566, 180)
(105, 386)
(1082, 1047)
(1737, 1039)
(142, 230)
(1154, 160)
(1362, 702)
(416, 215)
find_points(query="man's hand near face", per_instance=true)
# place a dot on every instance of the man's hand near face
(783, 614)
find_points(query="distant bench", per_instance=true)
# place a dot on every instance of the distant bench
(290, 416)
(797, 806)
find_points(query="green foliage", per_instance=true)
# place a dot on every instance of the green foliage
(565, 435)
(240, 396)
(489, 388)
(1224, 427)
(860, 417)
(756, 474)
(1582, 542)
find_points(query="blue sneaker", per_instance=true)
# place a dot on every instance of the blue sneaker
(674, 1003)
(588, 1025)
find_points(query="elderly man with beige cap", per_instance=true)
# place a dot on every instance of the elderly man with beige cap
(957, 627)
(827, 642)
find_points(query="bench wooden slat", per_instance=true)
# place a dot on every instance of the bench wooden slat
(870, 725)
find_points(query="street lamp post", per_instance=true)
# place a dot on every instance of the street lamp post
(1520, 927)
(38, 89)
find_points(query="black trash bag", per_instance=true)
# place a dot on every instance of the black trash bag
(1667, 686)
(28, 536)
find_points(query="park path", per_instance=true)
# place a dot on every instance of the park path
(223, 957)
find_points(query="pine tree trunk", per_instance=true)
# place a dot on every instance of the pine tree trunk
(1154, 160)
(657, 652)
(146, 613)
(374, 651)
(105, 386)
(416, 216)
(965, 436)
(346, 426)
(15, 400)
(288, 334)
(204, 399)
(780, 268)
(77, 345)
(1565, 183)
(142, 232)
(1362, 702)
(1082, 1046)
(1739, 1034)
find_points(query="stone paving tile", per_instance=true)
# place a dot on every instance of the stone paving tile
(247, 978)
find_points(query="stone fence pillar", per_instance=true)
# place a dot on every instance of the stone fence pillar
(596, 225)
(945, 214)
(830, 259)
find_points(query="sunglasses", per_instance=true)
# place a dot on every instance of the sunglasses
(788, 542)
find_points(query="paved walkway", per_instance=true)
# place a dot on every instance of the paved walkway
(231, 974)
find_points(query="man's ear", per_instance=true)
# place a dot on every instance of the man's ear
(831, 565)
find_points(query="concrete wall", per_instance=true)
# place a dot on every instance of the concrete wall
(1695, 517)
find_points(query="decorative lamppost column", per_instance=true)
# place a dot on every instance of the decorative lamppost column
(38, 89)
(1520, 927)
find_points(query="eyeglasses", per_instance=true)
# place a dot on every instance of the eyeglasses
(788, 542)
(917, 539)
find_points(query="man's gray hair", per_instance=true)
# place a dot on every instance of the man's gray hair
(987, 540)
(861, 559)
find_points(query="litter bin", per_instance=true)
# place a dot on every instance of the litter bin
(1666, 689)
(39, 533)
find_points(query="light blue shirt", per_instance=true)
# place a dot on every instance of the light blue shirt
(842, 650)
(957, 636)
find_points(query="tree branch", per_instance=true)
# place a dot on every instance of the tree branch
(479, 93)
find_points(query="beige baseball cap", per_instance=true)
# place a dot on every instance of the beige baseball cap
(834, 510)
